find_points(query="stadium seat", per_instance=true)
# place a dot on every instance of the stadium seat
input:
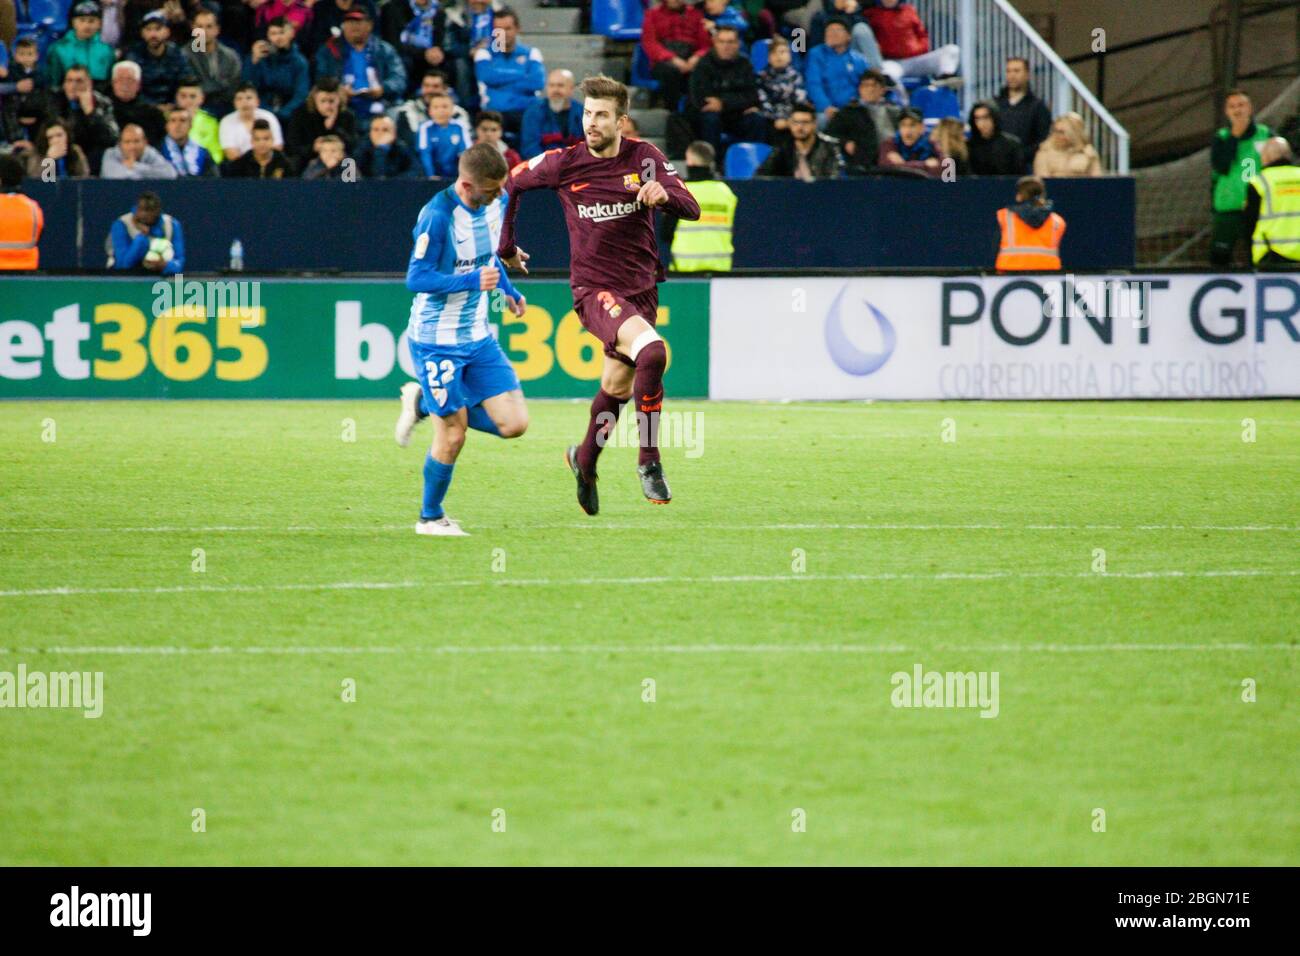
(744, 158)
(758, 55)
(936, 102)
(641, 77)
(617, 19)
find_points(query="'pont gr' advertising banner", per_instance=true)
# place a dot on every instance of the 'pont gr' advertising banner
(270, 338)
(1003, 337)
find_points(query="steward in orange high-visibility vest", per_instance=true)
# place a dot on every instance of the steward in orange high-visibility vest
(21, 219)
(1030, 232)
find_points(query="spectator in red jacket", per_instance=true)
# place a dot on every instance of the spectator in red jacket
(905, 44)
(675, 39)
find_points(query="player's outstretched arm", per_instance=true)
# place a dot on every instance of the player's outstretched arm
(540, 172)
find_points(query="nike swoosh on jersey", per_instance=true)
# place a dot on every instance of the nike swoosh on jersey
(578, 187)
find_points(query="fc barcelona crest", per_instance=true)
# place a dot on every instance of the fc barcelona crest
(632, 181)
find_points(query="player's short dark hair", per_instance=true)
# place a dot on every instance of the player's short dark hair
(148, 201)
(1031, 188)
(483, 162)
(261, 124)
(603, 87)
(489, 116)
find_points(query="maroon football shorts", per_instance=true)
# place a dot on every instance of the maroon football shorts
(602, 311)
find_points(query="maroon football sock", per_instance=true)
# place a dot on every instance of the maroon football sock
(604, 413)
(648, 393)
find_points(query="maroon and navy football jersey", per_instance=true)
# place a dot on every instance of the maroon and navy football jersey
(612, 242)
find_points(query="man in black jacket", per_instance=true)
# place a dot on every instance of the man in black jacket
(724, 94)
(992, 152)
(805, 154)
(1023, 114)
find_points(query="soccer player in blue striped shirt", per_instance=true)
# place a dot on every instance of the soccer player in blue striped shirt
(465, 380)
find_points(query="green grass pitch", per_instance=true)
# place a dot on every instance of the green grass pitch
(505, 671)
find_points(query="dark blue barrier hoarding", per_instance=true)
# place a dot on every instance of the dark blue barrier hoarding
(780, 224)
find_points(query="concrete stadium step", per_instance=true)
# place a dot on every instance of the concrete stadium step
(651, 122)
(549, 20)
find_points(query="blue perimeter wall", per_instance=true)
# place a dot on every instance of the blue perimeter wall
(366, 226)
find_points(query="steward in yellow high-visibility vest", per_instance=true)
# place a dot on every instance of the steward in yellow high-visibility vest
(705, 244)
(1272, 212)
(1030, 233)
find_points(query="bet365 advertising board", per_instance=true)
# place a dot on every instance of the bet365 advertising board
(272, 338)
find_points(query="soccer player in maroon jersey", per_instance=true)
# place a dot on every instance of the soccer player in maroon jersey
(609, 186)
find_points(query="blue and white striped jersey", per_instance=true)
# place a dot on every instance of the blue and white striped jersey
(452, 243)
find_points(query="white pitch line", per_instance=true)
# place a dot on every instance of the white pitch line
(662, 579)
(487, 649)
(999, 410)
(605, 526)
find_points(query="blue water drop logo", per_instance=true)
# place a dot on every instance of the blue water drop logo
(848, 356)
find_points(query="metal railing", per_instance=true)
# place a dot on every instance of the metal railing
(989, 31)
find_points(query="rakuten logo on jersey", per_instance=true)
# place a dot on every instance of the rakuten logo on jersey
(605, 211)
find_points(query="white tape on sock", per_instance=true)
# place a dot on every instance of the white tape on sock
(642, 340)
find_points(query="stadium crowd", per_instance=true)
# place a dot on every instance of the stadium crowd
(164, 89)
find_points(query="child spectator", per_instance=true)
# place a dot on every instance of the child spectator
(909, 148)
(161, 64)
(1067, 151)
(322, 115)
(55, 155)
(279, 71)
(412, 114)
(992, 152)
(780, 85)
(236, 129)
(25, 99)
(382, 155)
(204, 128)
(82, 44)
(328, 163)
(440, 141)
(263, 160)
(949, 141)
(489, 129)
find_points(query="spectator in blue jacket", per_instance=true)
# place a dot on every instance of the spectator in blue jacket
(553, 121)
(368, 69)
(469, 29)
(723, 13)
(135, 240)
(440, 141)
(382, 155)
(832, 72)
(279, 71)
(162, 67)
(510, 74)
